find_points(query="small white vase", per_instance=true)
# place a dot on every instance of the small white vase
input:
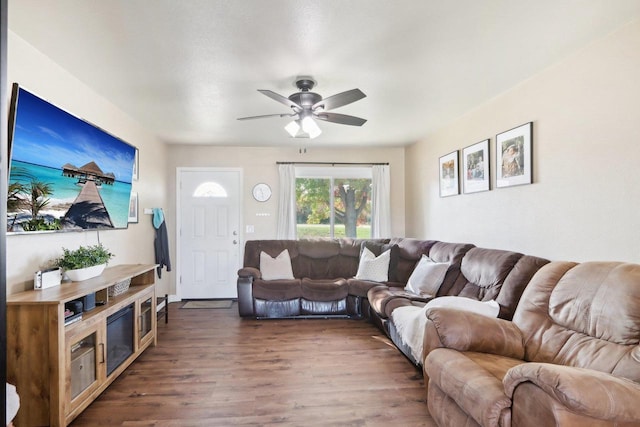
(85, 273)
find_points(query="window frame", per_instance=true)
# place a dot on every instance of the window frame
(332, 173)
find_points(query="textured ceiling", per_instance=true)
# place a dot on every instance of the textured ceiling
(186, 70)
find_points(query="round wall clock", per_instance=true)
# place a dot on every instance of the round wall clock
(261, 192)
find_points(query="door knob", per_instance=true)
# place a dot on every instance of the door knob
(235, 242)
(235, 233)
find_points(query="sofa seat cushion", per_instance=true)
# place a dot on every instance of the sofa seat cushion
(277, 290)
(382, 298)
(324, 290)
(360, 288)
(395, 303)
(473, 381)
(379, 296)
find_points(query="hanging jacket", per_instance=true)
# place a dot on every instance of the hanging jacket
(161, 242)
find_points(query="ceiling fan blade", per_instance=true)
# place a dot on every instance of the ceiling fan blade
(342, 119)
(339, 99)
(267, 115)
(281, 99)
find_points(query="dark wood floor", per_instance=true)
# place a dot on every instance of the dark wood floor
(212, 368)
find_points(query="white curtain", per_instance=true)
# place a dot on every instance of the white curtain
(287, 202)
(381, 202)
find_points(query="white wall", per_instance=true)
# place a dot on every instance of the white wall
(584, 203)
(259, 165)
(27, 253)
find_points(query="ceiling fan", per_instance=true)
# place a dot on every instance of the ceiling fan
(307, 106)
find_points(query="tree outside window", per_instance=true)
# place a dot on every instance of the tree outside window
(333, 207)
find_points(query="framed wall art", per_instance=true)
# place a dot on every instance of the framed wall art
(448, 169)
(514, 160)
(475, 167)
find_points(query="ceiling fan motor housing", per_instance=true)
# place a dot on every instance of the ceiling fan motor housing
(305, 99)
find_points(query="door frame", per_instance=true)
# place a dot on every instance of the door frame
(179, 196)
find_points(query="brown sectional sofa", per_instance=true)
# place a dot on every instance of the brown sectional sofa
(564, 350)
(324, 283)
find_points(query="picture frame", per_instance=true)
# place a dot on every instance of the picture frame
(448, 169)
(133, 208)
(514, 157)
(136, 165)
(475, 168)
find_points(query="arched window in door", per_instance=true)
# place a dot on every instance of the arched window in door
(210, 189)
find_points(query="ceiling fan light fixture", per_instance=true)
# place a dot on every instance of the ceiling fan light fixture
(310, 127)
(293, 128)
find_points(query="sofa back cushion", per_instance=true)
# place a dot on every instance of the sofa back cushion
(409, 252)
(584, 315)
(487, 274)
(482, 272)
(452, 253)
(317, 259)
(515, 283)
(320, 258)
(253, 248)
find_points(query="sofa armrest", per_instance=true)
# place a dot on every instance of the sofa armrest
(467, 331)
(245, 296)
(585, 391)
(250, 272)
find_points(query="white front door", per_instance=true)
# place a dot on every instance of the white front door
(208, 232)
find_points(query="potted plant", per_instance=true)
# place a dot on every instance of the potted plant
(85, 262)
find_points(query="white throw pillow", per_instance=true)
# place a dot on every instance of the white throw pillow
(276, 268)
(374, 268)
(486, 308)
(427, 277)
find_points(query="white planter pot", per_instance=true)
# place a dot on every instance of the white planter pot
(85, 273)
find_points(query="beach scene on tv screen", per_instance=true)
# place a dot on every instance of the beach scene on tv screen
(65, 174)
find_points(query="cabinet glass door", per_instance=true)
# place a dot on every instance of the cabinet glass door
(85, 364)
(146, 316)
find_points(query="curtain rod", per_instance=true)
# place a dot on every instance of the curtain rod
(331, 163)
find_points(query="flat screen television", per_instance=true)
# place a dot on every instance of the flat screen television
(65, 174)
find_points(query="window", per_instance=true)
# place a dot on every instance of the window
(210, 189)
(333, 202)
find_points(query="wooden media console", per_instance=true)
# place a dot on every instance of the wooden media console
(58, 367)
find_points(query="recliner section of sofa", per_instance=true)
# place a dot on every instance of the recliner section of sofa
(477, 273)
(322, 269)
(569, 357)
(383, 299)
